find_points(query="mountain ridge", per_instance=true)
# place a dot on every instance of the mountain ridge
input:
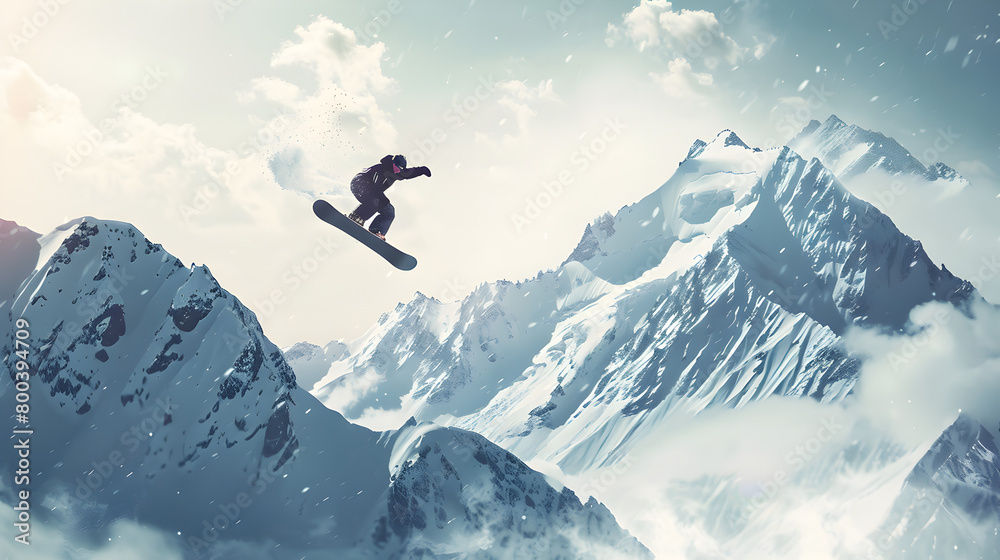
(782, 240)
(850, 150)
(158, 398)
(731, 285)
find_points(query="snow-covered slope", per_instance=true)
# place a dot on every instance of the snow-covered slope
(18, 254)
(849, 150)
(454, 493)
(929, 201)
(156, 397)
(311, 362)
(949, 506)
(731, 283)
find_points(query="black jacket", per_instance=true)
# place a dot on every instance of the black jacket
(381, 176)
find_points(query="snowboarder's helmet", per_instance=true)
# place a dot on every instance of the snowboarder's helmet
(399, 161)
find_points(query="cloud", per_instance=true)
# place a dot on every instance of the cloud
(691, 34)
(66, 532)
(332, 52)
(915, 384)
(979, 173)
(796, 477)
(734, 483)
(954, 220)
(351, 390)
(273, 89)
(25, 92)
(335, 126)
(109, 167)
(61, 536)
(763, 45)
(680, 80)
(202, 202)
(521, 101)
(321, 104)
(642, 23)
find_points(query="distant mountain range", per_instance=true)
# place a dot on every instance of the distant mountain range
(157, 398)
(732, 283)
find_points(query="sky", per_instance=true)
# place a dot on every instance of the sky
(212, 125)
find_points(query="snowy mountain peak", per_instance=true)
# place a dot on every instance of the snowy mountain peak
(942, 171)
(696, 149)
(449, 487)
(833, 122)
(771, 201)
(312, 362)
(302, 350)
(10, 229)
(850, 151)
(716, 176)
(724, 139)
(161, 401)
(18, 253)
(731, 139)
(951, 499)
(730, 283)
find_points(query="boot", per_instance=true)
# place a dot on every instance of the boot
(356, 219)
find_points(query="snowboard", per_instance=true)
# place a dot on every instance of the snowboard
(326, 212)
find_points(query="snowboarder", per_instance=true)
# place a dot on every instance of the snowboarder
(369, 188)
